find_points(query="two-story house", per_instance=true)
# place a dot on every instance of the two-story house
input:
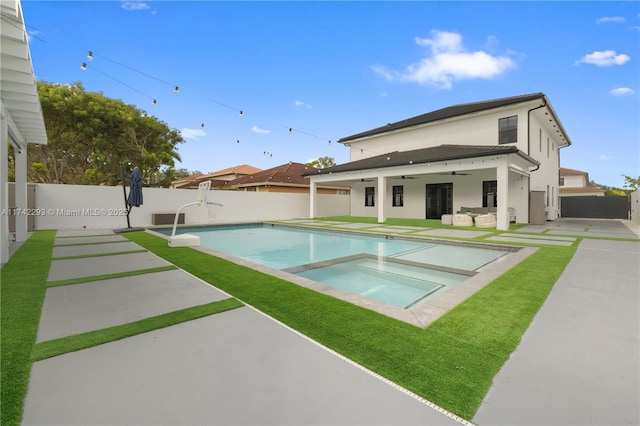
(491, 153)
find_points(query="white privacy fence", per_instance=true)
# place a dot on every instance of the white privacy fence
(79, 206)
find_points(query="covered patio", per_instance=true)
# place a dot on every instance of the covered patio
(457, 175)
(21, 121)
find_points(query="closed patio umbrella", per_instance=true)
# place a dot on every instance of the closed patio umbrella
(135, 189)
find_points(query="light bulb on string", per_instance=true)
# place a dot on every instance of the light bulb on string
(90, 56)
(154, 102)
(241, 113)
(202, 126)
(290, 130)
(176, 90)
(83, 67)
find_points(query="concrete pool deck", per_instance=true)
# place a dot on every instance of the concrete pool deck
(238, 367)
(577, 363)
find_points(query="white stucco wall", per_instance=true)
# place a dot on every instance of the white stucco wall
(574, 181)
(635, 207)
(78, 206)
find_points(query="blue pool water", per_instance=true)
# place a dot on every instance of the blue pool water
(392, 271)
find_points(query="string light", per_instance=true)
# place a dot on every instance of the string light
(176, 89)
(91, 55)
(84, 67)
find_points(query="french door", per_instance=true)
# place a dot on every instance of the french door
(439, 200)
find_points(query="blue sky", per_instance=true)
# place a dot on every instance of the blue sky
(332, 69)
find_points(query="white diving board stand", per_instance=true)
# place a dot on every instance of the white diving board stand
(190, 240)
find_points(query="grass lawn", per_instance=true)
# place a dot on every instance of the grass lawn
(23, 286)
(451, 363)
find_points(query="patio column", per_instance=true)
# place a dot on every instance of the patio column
(4, 188)
(502, 177)
(382, 192)
(313, 189)
(21, 193)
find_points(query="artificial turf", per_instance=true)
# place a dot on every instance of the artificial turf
(23, 282)
(76, 342)
(451, 363)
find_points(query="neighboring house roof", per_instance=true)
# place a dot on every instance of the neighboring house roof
(422, 156)
(455, 111)
(571, 172)
(194, 180)
(581, 190)
(243, 169)
(288, 174)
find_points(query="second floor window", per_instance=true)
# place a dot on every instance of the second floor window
(508, 129)
(369, 196)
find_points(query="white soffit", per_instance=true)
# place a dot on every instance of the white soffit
(18, 90)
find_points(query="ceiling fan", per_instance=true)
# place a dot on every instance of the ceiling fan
(455, 174)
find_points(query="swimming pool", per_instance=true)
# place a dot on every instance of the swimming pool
(399, 272)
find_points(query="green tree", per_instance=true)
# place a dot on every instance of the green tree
(631, 183)
(322, 162)
(90, 135)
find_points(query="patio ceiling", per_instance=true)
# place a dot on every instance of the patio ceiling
(18, 90)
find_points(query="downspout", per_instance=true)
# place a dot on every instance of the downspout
(529, 153)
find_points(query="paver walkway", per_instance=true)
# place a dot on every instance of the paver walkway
(235, 367)
(578, 363)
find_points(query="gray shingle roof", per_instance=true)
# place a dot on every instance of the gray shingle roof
(422, 156)
(444, 113)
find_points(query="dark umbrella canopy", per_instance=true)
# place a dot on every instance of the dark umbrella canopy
(135, 191)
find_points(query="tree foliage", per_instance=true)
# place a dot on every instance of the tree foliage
(90, 135)
(322, 162)
(631, 183)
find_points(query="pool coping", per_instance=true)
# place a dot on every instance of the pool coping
(420, 316)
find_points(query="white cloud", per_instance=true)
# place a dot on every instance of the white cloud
(257, 129)
(606, 158)
(193, 134)
(610, 19)
(606, 58)
(449, 61)
(620, 91)
(301, 104)
(134, 5)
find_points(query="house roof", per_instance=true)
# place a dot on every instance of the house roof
(289, 173)
(451, 112)
(422, 156)
(582, 190)
(194, 180)
(244, 169)
(571, 172)
(18, 89)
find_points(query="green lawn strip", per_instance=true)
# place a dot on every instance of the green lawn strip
(90, 339)
(82, 256)
(451, 363)
(85, 236)
(92, 278)
(23, 287)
